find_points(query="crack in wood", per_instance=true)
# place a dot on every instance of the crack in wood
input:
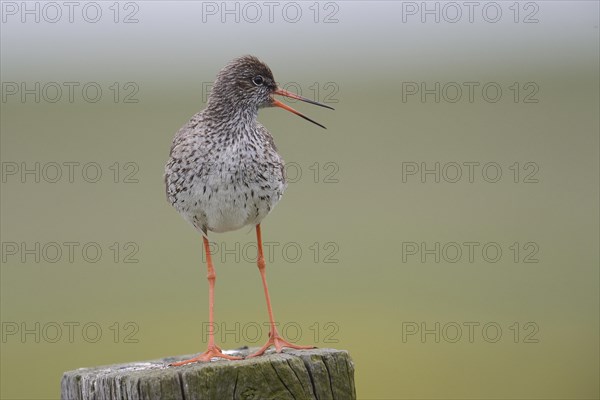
(237, 376)
(281, 378)
(181, 385)
(300, 381)
(329, 376)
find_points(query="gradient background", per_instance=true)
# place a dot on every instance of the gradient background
(368, 213)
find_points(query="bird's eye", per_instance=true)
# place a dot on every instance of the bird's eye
(258, 80)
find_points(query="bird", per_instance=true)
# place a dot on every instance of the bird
(224, 173)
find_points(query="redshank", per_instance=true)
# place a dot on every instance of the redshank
(224, 172)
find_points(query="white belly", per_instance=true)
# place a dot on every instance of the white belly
(219, 205)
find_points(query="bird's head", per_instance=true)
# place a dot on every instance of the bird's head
(248, 83)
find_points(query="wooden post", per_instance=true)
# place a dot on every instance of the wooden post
(293, 374)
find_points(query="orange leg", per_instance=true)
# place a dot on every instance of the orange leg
(213, 350)
(275, 338)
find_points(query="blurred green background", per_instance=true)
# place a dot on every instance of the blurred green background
(363, 290)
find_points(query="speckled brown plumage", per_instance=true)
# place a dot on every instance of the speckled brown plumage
(224, 171)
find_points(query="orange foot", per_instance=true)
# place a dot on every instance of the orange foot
(211, 352)
(276, 340)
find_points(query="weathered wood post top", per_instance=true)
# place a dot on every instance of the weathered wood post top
(293, 374)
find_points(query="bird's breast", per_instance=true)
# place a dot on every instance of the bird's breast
(227, 189)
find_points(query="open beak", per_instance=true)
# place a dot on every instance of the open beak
(285, 93)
